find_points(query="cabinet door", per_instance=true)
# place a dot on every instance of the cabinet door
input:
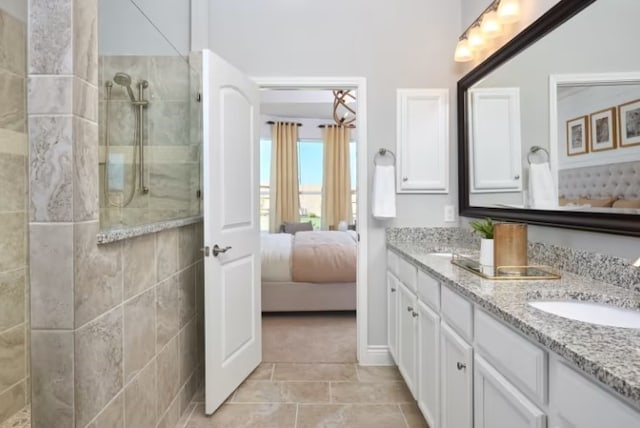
(428, 364)
(423, 141)
(456, 369)
(407, 335)
(496, 165)
(392, 316)
(498, 404)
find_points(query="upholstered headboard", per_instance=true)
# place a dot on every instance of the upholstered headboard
(619, 180)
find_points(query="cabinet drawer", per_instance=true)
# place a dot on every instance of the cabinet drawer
(392, 262)
(520, 361)
(458, 312)
(429, 290)
(407, 274)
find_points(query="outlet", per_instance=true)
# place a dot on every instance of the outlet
(449, 213)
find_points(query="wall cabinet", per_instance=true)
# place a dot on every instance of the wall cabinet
(407, 336)
(422, 141)
(456, 379)
(429, 364)
(392, 316)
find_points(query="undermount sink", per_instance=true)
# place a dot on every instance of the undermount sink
(592, 313)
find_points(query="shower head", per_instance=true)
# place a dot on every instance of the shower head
(123, 79)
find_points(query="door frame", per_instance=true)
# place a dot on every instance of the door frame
(360, 85)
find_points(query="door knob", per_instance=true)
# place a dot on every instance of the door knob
(415, 314)
(517, 177)
(409, 308)
(218, 250)
(405, 178)
(393, 290)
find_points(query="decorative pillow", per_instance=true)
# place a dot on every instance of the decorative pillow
(600, 203)
(292, 228)
(625, 203)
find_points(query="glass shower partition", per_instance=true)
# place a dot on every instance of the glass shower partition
(150, 121)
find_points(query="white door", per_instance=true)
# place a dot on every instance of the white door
(456, 368)
(392, 315)
(233, 336)
(429, 364)
(407, 334)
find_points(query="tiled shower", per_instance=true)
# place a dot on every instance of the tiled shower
(14, 284)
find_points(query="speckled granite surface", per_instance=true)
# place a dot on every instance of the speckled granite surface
(608, 354)
(119, 233)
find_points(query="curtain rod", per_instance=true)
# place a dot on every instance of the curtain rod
(330, 125)
(271, 122)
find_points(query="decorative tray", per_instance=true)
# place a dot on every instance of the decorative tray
(508, 273)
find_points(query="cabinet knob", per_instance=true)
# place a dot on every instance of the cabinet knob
(517, 177)
(405, 178)
(393, 290)
(461, 366)
(415, 314)
(409, 308)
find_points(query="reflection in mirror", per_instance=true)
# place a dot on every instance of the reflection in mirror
(571, 94)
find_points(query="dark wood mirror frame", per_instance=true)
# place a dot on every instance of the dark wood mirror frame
(622, 224)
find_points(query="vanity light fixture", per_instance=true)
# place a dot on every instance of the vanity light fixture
(488, 25)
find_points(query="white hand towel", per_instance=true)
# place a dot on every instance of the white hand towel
(384, 191)
(542, 190)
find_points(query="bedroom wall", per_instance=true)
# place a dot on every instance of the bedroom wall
(408, 45)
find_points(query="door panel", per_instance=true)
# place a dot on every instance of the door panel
(428, 364)
(456, 368)
(238, 317)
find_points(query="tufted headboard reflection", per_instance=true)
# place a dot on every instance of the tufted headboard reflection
(619, 180)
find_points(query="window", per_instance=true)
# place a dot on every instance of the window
(310, 160)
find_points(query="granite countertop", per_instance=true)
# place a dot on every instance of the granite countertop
(610, 355)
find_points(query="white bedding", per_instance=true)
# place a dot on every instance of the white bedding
(276, 257)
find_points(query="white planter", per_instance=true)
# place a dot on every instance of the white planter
(486, 256)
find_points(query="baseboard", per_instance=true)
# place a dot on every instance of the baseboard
(377, 355)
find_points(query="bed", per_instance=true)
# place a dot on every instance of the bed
(309, 271)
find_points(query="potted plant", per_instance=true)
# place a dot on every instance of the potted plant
(485, 229)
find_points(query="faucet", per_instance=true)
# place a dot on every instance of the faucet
(637, 263)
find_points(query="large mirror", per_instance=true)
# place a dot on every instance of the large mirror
(549, 126)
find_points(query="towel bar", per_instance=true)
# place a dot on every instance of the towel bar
(536, 149)
(384, 152)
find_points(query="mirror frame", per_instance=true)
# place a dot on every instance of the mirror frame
(621, 224)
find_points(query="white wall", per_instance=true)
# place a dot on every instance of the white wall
(17, 8)
(403, 44)
(124, 30)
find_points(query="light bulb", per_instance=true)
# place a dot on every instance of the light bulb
(509, 11)
(463, 53)
(475, 37)
(490, 25)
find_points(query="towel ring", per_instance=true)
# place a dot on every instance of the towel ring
(382, 153)
(536, 149)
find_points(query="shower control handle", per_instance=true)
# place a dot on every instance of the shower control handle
(219, 250)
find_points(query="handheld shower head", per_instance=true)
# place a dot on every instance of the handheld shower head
(123, 79)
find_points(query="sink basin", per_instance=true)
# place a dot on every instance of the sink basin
(592, 313)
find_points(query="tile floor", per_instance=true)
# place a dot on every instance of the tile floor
(313, 392)
(22, 419)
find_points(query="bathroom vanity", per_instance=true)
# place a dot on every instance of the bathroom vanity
(475, 353)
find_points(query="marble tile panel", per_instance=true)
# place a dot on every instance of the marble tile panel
(15, 143)
(12, 356)
(12, 299)
(51, 168)
(85, 98)
(139, 258)
(370, 392)
(167, 310)
(112, 416)
(50, 37)
(12, 108)
(51, 275)
(12, 241)
(234, 415)
(282, 392)
(188, 350)
(98, 274)
(170, 418)
(168, 375)
(187, 296)
(85, 172)
(413, 416)
(167, 258)
(200, 286)
(12, 401)
(378, 373)
(13, 44)
(122, 121)
(50, 94)
(140, 399)
(52, 379)
(171, 132)
(22, 419)
(184, 419)
(317, 372)
(169, 78)
(13, 170)
(350, 415)
(139, 333)
(98, 365)
(170, 187)
(189, 248)
(187, 392)
(85, 40)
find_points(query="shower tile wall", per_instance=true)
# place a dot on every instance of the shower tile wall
(14, 288)
(172, 150)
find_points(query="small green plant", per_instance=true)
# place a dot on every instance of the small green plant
(483, 227)
(313, 215)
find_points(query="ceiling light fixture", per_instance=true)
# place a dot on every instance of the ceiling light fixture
(341, 111)
(486, 26)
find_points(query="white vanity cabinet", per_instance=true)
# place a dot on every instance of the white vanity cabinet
(456, 380)
(392, 315)
(429, 364)
(407, 336)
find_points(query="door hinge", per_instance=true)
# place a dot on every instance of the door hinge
(358, 235)
(198, 193)
(199, 97)
(206, 250)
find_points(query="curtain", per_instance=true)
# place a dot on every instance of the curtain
(336, 182)
(284, 194)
